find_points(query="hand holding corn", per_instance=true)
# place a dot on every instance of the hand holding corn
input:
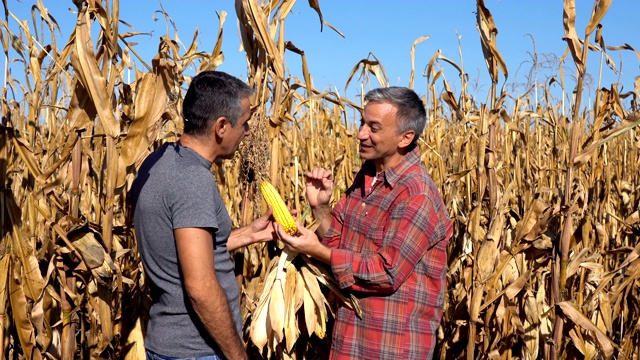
(305, 242)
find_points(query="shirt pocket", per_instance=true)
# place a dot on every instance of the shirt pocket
(378, 230)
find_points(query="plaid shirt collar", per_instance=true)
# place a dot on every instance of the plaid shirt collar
(393, 175)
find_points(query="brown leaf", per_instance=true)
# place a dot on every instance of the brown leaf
(412, 54)
(135, 342)
(627, 124)
(515, 287)
(316, 6)
(23, 251)
(570, 34)
(600, 8)
(4, 281)
(531, 217)
(488, 32)
(89, 74)
(459, 175)
(150, 102)
(574, 314)
(19, 309)
(487, 257)
(26, 154)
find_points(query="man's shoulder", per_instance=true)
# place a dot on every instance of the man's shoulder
(417, 177)
(179, 160)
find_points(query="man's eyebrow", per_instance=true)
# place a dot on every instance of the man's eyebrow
(372, 121)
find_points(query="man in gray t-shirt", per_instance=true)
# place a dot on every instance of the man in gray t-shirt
(184, 231)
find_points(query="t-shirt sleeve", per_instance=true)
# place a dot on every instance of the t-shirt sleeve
(192, 200)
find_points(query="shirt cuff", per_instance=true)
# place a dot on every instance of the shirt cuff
(341, 262)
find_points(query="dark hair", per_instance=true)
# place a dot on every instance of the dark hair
(410, 113)
(212, 94)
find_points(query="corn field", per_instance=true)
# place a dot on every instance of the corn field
(544, 262)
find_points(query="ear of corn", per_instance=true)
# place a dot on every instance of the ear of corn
(259, 331)
(291, 304)
(277, 309)
(280, 211)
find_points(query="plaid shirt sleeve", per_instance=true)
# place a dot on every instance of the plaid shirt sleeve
(332, 237)
(412, 231)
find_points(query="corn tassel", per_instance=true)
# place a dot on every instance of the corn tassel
(280, 211)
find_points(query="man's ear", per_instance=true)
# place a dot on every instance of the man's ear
(407, 139)
(219, 127)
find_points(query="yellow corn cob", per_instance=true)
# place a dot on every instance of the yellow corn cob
(280, 211)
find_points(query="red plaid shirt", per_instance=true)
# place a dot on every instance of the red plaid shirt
(389, 249)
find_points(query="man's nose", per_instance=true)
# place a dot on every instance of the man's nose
(363, 134)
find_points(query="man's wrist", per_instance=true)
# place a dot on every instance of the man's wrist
(240, 237)
(321, 252)
(321, 210)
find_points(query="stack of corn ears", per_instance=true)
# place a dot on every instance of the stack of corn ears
(287, 290)
(291, 292)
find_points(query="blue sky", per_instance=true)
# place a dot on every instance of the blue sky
(386, 29)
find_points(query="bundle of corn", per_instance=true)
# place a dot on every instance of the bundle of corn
(288, 288)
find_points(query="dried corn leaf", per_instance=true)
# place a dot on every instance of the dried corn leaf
(600, 8)
(32, 283)
(19, 306)
(86, 68)
(627, 124)
(575, 315)
(570, 34)
(135, 342)
(150, 103)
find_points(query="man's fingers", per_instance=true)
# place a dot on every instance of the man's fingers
(326, 174)
(282, 234)
(279, 230)
(318, 173)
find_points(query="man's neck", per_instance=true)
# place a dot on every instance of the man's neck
(199, 145)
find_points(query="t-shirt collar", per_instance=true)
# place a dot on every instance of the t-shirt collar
(202, 159)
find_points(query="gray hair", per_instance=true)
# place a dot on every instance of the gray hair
(410, 115)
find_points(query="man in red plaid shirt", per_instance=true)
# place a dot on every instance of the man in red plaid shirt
(386, 238)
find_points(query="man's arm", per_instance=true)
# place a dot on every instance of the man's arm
(260, 229)
(196, 257)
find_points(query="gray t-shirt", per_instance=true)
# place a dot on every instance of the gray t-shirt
(175, 188)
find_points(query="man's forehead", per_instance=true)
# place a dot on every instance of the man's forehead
(380, 106)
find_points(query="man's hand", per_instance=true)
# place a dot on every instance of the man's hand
(262, 228)
(307, 243)
(319, 187)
